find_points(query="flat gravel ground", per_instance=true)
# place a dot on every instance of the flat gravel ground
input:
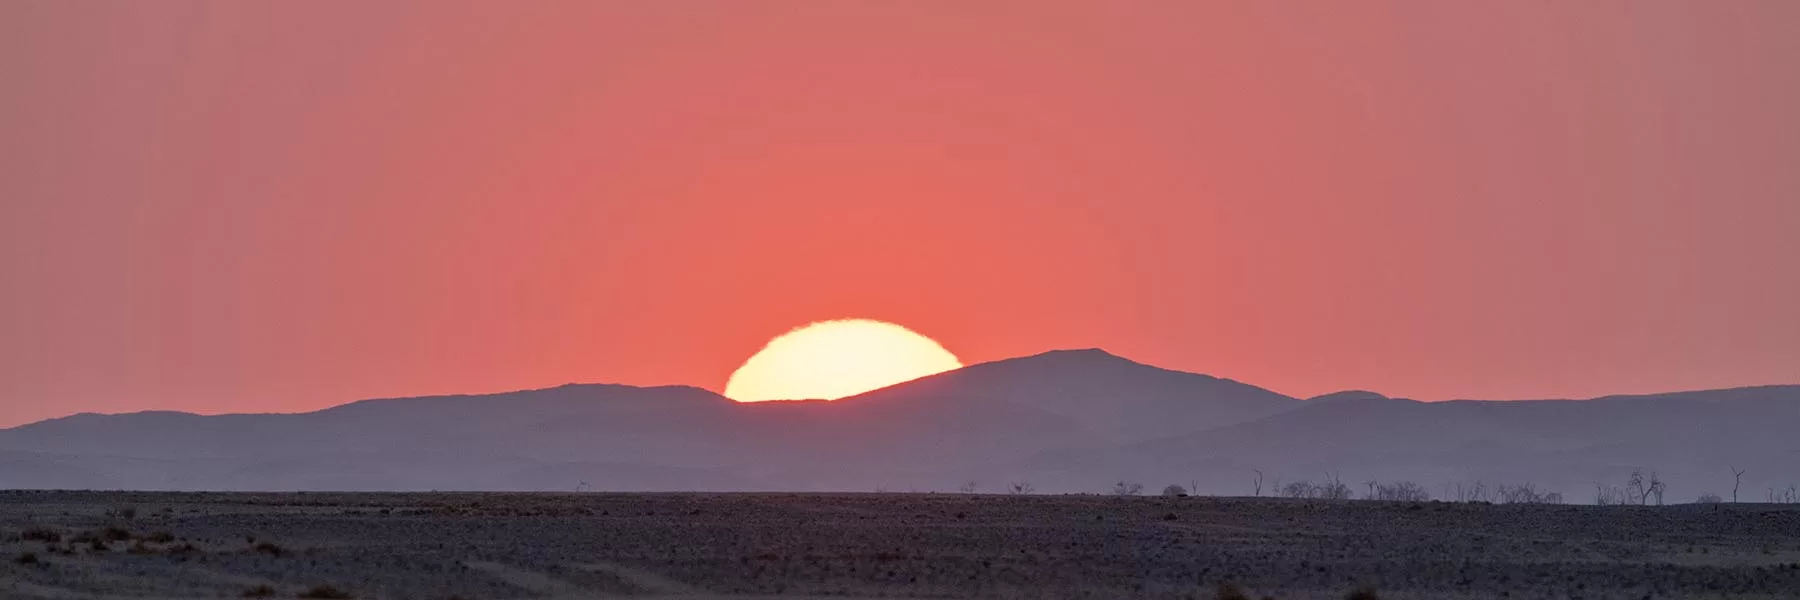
(494, 546)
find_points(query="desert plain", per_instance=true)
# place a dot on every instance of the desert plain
(491, 546)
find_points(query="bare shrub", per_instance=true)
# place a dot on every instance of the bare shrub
(1398, 491)
(1610, 495)
(1709, 498)
(1021, 488)
(1127, 489)
(1525, 493)
(1470, 492)
(1174, 490)
(1229, 591)
(1636, 487)
(1329, 490)
(968, 487)
(325, 592)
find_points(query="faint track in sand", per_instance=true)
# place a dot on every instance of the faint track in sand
(535, 582)
(645, 580)
(649, 584)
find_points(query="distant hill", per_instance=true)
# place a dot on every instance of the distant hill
(1118, 399)
(1691, 439)
(1066, 421)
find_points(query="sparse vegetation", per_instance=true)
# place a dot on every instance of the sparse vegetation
(1330, 489)
(1124, 488)
(1229, 591)
(325, 592)
(41, 534)
(1709, 498)
(1608, 495)
(859, 545)
(968, 487)
(1397, 491)
(1174, 491)
(1525, 493)
(1021, 488)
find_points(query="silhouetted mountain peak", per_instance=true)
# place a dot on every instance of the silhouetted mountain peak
(1071, 363)
(1116, 397)
(1346, 395)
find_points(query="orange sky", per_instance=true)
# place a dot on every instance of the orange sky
(279, 206)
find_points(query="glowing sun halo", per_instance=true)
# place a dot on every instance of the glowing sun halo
(834, 359)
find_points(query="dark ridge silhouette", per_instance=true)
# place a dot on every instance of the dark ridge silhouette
(1117, 398)
(1064, 421)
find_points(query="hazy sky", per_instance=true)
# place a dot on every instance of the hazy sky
(269, 206)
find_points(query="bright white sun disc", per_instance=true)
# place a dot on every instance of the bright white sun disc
(833, 359)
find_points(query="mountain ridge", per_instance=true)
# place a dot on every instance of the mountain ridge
(1065, 420)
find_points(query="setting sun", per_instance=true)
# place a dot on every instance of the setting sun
(833, 359)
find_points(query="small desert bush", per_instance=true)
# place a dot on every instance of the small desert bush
(1710, 498)
(325, 592)
(1174, 490)
(39, 534)
(261, 591)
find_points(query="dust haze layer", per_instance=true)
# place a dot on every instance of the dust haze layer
(1064, 421)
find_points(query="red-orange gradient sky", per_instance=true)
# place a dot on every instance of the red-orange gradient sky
(274, 206)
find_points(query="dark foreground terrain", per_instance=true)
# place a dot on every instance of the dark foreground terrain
(491, 546)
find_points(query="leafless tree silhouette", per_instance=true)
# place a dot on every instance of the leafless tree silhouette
(1258, 488)
(1635, 487)
(1737, 478)
(1021, 488)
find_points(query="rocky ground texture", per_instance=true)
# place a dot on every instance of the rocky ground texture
(501, 546)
